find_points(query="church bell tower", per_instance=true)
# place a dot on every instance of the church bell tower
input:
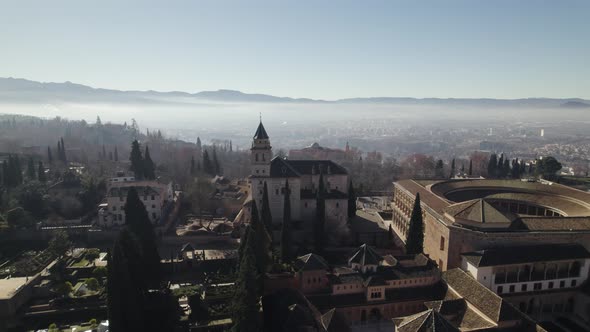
(260, 153)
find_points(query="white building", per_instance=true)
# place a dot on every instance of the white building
(303, 177)
(543, 281)
(153, 195)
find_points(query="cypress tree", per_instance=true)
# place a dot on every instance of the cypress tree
(207, 165)
(59, 150)
(18, 173)
(245, 303)
(41, 172)
(286, 228)
(49, 156)
(492, 166)
(351, 200)
(64, 157)
(149, 167)
(470, 173)
(217, 167)
(320, 218)
(31, 172)
(193, 167)
(116, 154)
(265, 212)
(262, 244)
(125, 286)
(136, 160)
(415, 238)
(138, 223)
(506, 168)
(104, 152)
(452, 169)
(438, 169)
(500, 167)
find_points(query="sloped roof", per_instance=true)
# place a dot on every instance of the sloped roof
(310, 262)
(478, 210)
(486, 301)
(260, 132)
(280, 168)
(187, 247)
(526, 254)
(309, 167)
(365, 255)
(424, 321)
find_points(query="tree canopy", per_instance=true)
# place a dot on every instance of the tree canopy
(415, 238)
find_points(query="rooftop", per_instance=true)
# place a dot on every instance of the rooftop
(10, 286)
(526, 254)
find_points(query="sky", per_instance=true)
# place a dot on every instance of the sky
(314, 49)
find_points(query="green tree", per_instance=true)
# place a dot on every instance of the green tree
(351, 200)
(547, 167)
(125, 286)
(245, 303)
(193, 169)
(470, 172)
(92, 254)
(100, 272)
(208, 167)
(265, 212)
(492, 166)
(320, 217)
(136, 160)
(60, 243)
(452, 174)
(438, 169)
(149, 166)
(31, 172)
(116, 154)
(415, 238)
(53, 328)
(93, 323)
(199, 309)
(216, 165)
(64, 289)
(41, 172)
(92, 284)
(262, 242)
(286, 227)
(64, 156)
(138, 223)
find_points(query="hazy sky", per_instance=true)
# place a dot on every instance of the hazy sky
(316, 49)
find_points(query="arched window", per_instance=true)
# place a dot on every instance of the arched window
(257, 157)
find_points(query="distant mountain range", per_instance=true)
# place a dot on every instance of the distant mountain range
(17, 90)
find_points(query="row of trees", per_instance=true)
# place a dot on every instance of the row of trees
(142, 165)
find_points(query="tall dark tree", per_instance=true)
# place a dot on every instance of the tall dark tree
(116, 154)
(506, 168)
(64, 157)
(492, 166)
(138, 223)
(193, 169)
(351, 200)
(262, 242)
(286, 227)
(415, 238)
(515, 171)
(149, 171)
(216, 165)
(31, 172)
(125, 287)
(265, 212)
(208, 167)
(136, 160)
(438, 169)
(320, 217)
(245, 303)
(41, 172)
(49, 155)
(547, 167)
(452, 174)
(500, 167)
(104, 152)
(470, 172)
(59, 150)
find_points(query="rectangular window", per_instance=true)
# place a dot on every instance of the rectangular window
(442, 243)
(562, 284)
(511, 289)
(523, 287)
(500, 289)
(537, 286)
(550, 284)
(154, 215)
(114, 208)
(153, 197)
(574, 283)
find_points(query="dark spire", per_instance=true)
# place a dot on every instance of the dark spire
(260, 132)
